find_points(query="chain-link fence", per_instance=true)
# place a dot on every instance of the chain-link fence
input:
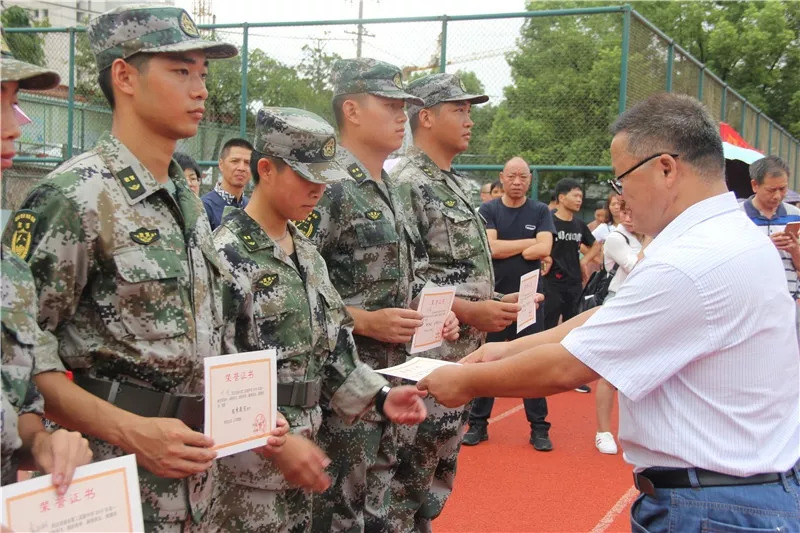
(556, 80)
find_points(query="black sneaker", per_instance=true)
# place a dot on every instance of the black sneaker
(475, 435)
(583, 388)
(541, 442)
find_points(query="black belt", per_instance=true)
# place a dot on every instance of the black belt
(650, 479)
(299, 393)
(146, 402)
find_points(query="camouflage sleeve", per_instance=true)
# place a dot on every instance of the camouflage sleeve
(352, 383)
(59, 255)
(234, 298)
(419, 253)
(349, 385)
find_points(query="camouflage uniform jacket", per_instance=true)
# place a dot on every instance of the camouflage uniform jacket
(368, 246)
(456, 244)
(128, 280)
(21, 340)
(270, 304)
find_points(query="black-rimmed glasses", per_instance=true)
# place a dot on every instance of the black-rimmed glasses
(616, 181)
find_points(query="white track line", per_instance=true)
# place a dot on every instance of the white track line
(615, 511)
(505, 414)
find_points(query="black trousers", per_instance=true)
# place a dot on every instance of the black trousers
(561, 300)
(535, 408)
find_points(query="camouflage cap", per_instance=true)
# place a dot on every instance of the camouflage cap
(364, 75)
(300, 138)
(128, 30)
(438, 88)
(28, 75)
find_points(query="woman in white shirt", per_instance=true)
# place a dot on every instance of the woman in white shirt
(613, 210)
(623, 248)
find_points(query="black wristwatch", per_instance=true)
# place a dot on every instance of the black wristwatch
(380, 399)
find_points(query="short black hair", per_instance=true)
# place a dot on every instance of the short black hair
(237, 142)
(338, 102)
(413, 120)
(677, 123)
(187, 162)
(257, 156)
(138, 61)
(565, 185)
(496, 184)
(770, 166)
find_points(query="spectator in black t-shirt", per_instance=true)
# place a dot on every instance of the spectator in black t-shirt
(564, 271)
(520, 232)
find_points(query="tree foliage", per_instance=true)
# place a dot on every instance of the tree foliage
(753, 46)
(25, 46)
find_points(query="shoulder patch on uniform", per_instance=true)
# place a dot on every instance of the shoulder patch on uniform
(309, 225)
(428, 171)
(24, 222)
(145, 236)
(355, 171)
(266, 281)
(373, 214)
(449, 202)
(130, 181)
(249, 242)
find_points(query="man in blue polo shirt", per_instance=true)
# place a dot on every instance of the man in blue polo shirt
(234, 165)
(770, 180)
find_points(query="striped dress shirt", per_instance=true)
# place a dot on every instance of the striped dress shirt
(701, 342)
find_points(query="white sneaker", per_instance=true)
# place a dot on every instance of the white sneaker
(605, 443)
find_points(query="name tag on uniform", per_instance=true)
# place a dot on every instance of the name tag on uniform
(241, 401)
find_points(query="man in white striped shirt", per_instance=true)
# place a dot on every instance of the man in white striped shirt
(700, 340)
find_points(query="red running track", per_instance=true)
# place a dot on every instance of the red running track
(504, 485)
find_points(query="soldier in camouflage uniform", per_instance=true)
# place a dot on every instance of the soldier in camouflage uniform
(457, 254)
(281, 297)
(367, 244)
(24, 438)
(126, 271)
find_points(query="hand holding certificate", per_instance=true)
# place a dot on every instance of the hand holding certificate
(527, 300)
(103, 496)
(434, 305)
(241, 400)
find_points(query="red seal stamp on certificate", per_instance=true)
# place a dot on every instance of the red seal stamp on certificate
(260, 424)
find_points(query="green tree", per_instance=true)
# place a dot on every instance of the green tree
(25, 46)
(316, 66)
(564, 94)
(753, 46)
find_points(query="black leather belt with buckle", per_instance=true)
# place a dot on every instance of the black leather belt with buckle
(146, 402)
(678, 478)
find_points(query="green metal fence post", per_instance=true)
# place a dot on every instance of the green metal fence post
(724, 118)
(758, 128)
(744, 116)
(535, 185)
(670, 62)
(243, 102)
(796, 164)
(769, 137)
(623, 74)
(71, 93)
(700, 77)
(443, 51)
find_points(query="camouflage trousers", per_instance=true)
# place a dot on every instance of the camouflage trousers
(363, 458)
(426, 466)
(168, 505)
(253, 495)
(242, 508)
